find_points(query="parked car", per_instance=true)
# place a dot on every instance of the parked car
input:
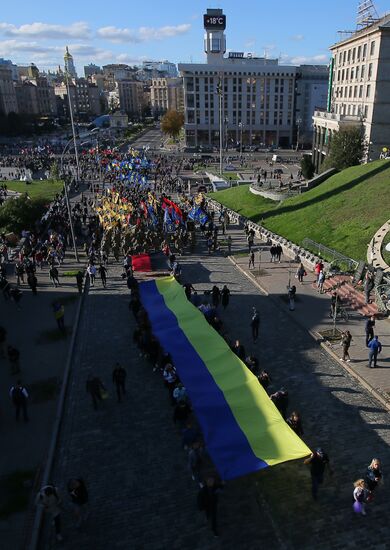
(229, 168)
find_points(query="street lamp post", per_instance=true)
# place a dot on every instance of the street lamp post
(226, 120)
(72, 123)
(299, 122)
(76, 255)
(240, 125)
(220, 94)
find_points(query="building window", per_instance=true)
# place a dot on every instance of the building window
(344, 56)
(357, 72)
(349, 56)
(355, 90)
(372, 48)
(364, 51)
(361, 91)
(369, 70)
(368, 90)
(359, 51)
(365, 111)
(362, 71)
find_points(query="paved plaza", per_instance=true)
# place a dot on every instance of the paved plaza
(141, 492)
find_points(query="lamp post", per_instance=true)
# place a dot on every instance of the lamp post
(96, 132)
(299, 122)
(72, 123)
(226, 121)
(76, 255)
(241, 125)
(220, 94)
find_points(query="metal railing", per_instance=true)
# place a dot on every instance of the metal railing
(330, 254)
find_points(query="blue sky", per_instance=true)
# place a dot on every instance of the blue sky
(104, 32)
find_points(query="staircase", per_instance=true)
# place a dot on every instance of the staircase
(353, 299)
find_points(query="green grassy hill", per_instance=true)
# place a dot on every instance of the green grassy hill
(343, 213)
(43, 190)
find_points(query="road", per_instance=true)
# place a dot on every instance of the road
(152, 139)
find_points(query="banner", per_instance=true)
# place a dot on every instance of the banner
(243, 430)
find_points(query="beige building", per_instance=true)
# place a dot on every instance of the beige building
(8, 100)
(359, 92)
(131, 97)
(167, 94)
(85, 99)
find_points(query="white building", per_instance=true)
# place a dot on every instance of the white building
(360, 90)
(257, 94)
(166, 68)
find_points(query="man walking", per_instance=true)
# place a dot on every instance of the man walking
(19, 396)
(103, 274)
(119, 378)
(251, 259)
(79, 281)
(255, 322)
(59, 314)
(91, 270)
(53, 274)
(229, 244)
(318, 461)
(374, 348)
(370, 324)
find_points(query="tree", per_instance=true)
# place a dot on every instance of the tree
(171, 123)
(346, 149)
(21, 213)
(307, 167)
(54, 171)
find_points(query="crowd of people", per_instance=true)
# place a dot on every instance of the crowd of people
(123, 221)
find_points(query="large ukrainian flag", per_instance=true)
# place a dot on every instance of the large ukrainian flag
(243, 429)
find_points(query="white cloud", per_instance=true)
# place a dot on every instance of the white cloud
(143, 34)
(297, 37)
(45, 30)
(320, 59)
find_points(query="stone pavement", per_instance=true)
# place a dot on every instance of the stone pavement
(42, 358)
(141, 493)
(312, 311)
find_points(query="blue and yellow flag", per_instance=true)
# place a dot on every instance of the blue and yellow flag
(243, 430)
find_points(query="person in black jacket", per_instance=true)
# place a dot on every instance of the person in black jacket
(208, 501)
(369, 327)
(79, 496)
(119, 378)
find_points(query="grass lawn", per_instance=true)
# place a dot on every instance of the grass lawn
(241, 200)
(42, 190)
(343, 213)
(226, 175)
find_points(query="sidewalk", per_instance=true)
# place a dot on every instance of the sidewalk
(33, 331)
(312, 311)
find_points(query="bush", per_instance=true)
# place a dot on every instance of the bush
(21, 213)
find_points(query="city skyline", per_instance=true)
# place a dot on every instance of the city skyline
(36, 34)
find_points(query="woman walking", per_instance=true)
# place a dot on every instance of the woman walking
(360, 494)
(346, 340)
